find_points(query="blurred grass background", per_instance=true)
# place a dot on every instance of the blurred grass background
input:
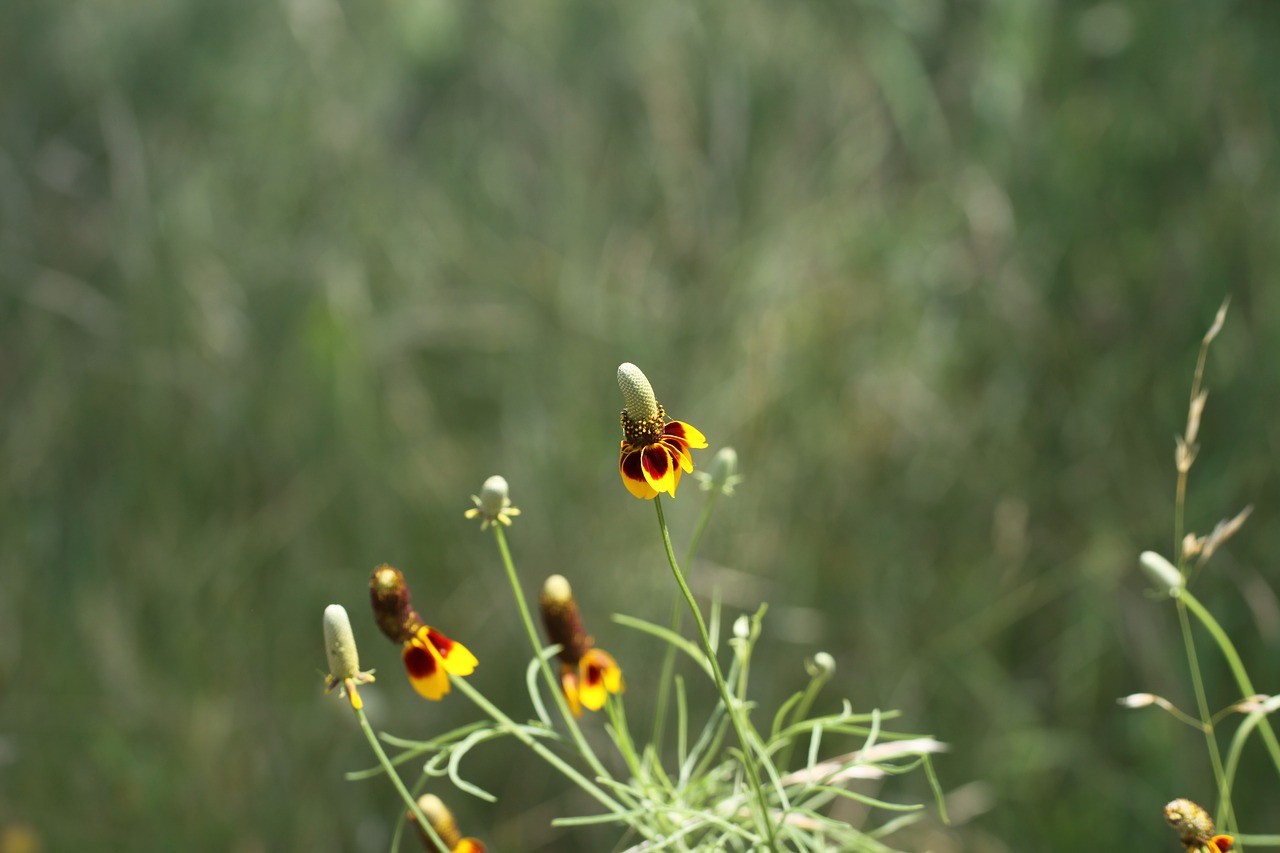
(283, 282)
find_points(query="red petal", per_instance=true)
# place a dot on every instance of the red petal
(686, 432)
(659, 470)
(455, 656)
(425, 672)
(630, 465)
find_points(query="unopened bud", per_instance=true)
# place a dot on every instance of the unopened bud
(1161, 572)
(821, 665)
(1137, 700)
(493, 495)
(642, 405)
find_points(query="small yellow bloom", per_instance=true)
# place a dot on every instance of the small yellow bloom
(654, 451)
(587, 674)
(429, 656)
(492, 504)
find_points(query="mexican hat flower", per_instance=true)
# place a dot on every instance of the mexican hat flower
(429, 656)
(441, 820)
(587, 674)
(654, 450)
(1195, 827)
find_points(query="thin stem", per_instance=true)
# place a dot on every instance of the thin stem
(396, 780)
(547, 755)
(553, 685)
(1202, 702)
(669, 657)
(1237, 667)
(731, 706)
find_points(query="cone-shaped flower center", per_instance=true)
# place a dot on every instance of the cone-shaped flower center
(642, 405)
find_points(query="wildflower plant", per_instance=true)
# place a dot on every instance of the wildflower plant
(731, 777)
(1172, 579)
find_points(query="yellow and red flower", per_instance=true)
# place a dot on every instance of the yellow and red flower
(429, 656)
(587, 674)
(654, 451)
(1195, 828)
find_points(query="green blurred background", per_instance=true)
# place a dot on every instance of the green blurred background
(283, 282)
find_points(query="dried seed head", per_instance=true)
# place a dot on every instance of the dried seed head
(389, 595)
(642, 405)
(340, 644)
(563, 621)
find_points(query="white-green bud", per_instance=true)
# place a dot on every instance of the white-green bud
(1161, 572)
(493, 495)
(642, 405)
(820, 665)
(340, 644)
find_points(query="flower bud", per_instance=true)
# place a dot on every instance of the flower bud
(821, 665)
(1161, 572)
(493, 495)
(642, 405)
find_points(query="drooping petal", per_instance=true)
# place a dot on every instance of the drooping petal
(687, 432)
(679, 452)
(455, 657)
(630, 466)
(1221, 844)
(426, 670)
(659, 469)
(469, 845)
(600, 676)
(569, 682)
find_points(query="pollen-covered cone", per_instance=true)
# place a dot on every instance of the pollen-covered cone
(442, 821)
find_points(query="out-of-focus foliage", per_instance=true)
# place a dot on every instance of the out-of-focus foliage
(282, 282)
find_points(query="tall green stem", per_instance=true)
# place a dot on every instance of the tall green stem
(552, 684)
(732, 707)
(390, 770)
(669, 657)
(1237, 667)
(550, 757)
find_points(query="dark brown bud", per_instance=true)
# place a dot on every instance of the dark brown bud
(389, 595)
(562, 620)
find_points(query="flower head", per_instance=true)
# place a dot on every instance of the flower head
(344, 658)
(429, 656)
(587, 674)
(492, 504)
(654, 450)
(1195, 827)
(441, 820)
